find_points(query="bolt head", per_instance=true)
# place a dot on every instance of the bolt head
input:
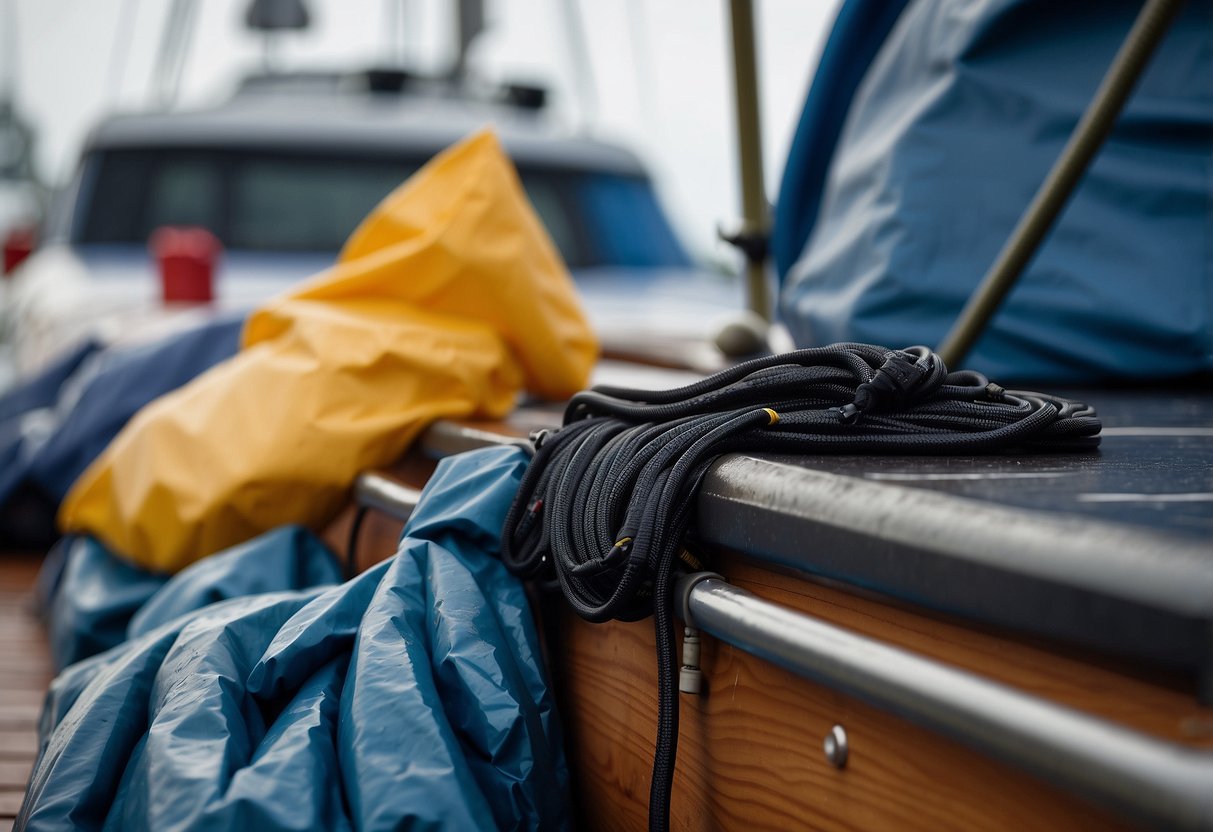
(836, 747)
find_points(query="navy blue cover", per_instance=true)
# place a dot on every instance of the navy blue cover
(126, 382)
(42, 390)
(954, 127)
(409, 697)
(25, 404)
(82, 411)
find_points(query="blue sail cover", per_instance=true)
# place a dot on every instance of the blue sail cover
(409, 697)
(955, 124)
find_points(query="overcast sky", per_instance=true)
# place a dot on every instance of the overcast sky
(661, 77)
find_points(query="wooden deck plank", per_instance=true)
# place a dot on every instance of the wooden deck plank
(25, 671)
(10, 802)
(14, 774)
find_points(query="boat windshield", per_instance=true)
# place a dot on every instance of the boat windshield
(271, 201)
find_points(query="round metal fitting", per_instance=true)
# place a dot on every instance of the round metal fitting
(835, 747)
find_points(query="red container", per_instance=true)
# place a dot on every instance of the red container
(18, 244)
(187, 258)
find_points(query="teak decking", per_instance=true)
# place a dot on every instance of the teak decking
(25, 671)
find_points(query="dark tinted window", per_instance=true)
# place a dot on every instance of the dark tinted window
(260, 201)
(296, 205)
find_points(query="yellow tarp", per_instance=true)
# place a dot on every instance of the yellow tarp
(447, 300)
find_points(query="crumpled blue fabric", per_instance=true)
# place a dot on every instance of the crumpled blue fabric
(54, 425)
(954, 127)
(409, 697)
(100, 599)
(42, 390)
(93, 600)
(27, 410)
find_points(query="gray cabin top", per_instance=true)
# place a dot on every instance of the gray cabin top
(412, 125)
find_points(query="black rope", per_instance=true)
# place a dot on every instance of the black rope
(603, 510)
(351, 549)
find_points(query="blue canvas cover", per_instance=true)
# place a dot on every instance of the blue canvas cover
(859, 31)
(409, 697)
(101, 600)
(955, 125)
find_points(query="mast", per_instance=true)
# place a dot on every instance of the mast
(752, 237)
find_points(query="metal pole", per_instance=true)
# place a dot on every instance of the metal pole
(1097, 122)
(754, 210)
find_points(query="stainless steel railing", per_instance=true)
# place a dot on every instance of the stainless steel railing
(1156, 781)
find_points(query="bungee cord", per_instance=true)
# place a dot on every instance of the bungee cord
(603, 510)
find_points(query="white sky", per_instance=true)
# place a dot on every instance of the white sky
(661, 68)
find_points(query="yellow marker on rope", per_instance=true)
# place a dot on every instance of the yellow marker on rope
(773, 416)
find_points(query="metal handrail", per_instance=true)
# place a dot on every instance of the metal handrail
(1157, 781)
(394, 499)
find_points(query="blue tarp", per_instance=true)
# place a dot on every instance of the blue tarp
(409, 697)
(101, 600)
(951, 131)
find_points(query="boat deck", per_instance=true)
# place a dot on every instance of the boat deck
(25, 671)
(1081, 580)
(1007, 562)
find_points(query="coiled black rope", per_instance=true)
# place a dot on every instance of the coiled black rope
(603, 510)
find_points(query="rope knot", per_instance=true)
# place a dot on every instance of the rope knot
(906, 378)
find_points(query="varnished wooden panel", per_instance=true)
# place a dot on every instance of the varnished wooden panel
(750, 753)
(1145, 699)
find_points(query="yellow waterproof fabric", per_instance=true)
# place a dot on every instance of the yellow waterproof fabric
(445, 302)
